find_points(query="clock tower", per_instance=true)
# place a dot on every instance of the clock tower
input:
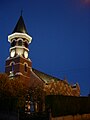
(18, 64)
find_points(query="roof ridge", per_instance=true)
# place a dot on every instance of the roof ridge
(37, 75)
(50, 76)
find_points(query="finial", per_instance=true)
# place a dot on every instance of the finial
(21, 12)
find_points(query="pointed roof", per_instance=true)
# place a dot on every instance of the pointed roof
(20, 26)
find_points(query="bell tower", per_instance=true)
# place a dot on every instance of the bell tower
(18, 64)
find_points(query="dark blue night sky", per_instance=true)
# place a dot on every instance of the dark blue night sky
(61, 36)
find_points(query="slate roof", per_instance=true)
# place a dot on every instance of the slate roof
(45, 77)
(20, 26)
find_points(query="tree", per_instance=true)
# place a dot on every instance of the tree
(12, 92)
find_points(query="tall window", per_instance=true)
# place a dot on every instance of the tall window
(12, 66)
(25, 67)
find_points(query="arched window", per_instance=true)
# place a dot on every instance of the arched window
(13, 43)
(12, 65)
(20, 43)
(26, 44)
(25, 67)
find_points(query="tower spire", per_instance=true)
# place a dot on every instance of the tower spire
(20, 26)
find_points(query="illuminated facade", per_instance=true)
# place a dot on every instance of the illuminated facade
(19, 65)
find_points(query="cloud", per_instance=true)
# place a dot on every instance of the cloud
(85, 1)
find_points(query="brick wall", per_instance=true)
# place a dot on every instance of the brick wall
(61, 88)
(70, 117)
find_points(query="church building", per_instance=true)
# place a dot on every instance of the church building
(19, 65)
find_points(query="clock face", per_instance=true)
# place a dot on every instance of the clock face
(12, 53)
(25, 54)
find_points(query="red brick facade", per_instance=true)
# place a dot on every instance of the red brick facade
(20, 65)
(19, 70)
